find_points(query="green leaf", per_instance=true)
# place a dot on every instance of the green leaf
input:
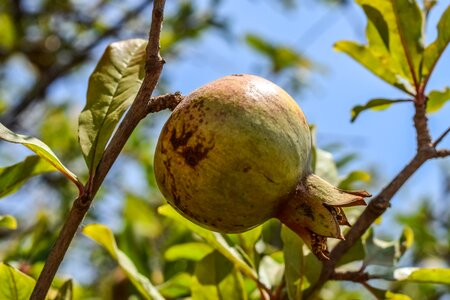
(355, 253)
(281, 57)
(434, 51)
(379, 252)
(325, 167)
(65, 292)
(395, 296)
(104, 236)
(177, 287)
(436, 275)
(374, 104)
(379, 66)
(437, 99)
(190, 251)
(406, 241)
(8, 222)
(214, 239)
(302, 268)
(398, 24)
(247, 240)
(13, 177)
(112, 88)
(215, 278)
(386, 295)
(270, 271)
(41, 150)
(15, 285)
(352, 177)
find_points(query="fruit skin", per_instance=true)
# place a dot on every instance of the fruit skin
(231, 152)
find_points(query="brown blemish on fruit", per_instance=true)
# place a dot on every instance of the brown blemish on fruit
(193, 155)
(246, 169)
(306, 210)
(182, 140)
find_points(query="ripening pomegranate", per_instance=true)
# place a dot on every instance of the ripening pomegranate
(237, 152)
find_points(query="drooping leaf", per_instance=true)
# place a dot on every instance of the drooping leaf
(216, 279)
(177, 287)
(378, 66)
(352, 177)
(374, 104)
(214, 239)
(14, 285)
(434, 51)
(423, 275)
(8, 222)
(104, 236)
(65, 292)
(41, 150)
(112, 87)
(190, 251)
(437, 99)
(12, 177)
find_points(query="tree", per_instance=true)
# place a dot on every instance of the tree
(159, 254)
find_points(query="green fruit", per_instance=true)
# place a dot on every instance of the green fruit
(237, 152)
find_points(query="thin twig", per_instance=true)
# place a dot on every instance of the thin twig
(167, 101)
(441, 137)
(137, 112)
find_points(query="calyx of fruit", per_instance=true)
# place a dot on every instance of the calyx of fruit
(237, 152)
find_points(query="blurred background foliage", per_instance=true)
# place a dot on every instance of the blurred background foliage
(47, 45)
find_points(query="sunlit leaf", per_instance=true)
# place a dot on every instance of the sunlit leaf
(190, 251)
(396, 296)
(374, 104)
(434, 51)
(352, 177)
(14, 285)
(8, 222)
(65, 291)
(366, 57)
(104, 236)
(214, 239)
(40, 149)
(13, 177)
(437, 99)
(423, 275)
(112, 88)
(247, 240)
(216, 279)
(406, 241)
(176, 287)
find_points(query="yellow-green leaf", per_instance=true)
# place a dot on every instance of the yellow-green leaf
(437, 99)
(379, 66)
(214, 239)
(41, 149)
(374, 104)
(112, 88)
(190, 251)
(8, 222)
(65, 292)
(14, 285)
(435, 275)
(216, 279)
(104, 236)
(12, 177)
(434, 51)
(7, 32)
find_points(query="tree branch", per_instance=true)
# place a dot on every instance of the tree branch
(441, 137)
(137, 111)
